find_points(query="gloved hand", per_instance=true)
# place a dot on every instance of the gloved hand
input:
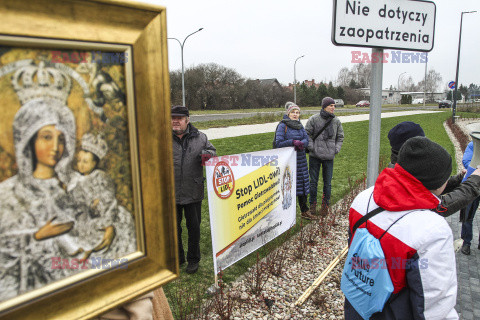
(298, 145)
(205, 156)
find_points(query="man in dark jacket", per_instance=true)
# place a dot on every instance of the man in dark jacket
(191, 149)
(456, 195)
(323, 149)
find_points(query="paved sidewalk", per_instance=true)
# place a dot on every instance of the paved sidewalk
(468, 273)
(236, 131)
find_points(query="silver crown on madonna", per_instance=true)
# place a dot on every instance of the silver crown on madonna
(33, 82)
(95, 144)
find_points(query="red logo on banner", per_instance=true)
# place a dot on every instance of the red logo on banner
(223, 180)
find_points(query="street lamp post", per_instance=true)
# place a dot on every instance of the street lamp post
(425, 82)
(398, 84)
(458, 63)
(182, 44)
(295, 79)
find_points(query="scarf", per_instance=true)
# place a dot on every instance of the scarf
(394, 156)
(294, 124)
(328, 132)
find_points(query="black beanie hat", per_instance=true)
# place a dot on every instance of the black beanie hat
(402, 132)
(327, 101)
(427, 161)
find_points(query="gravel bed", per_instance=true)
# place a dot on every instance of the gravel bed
(298, 274)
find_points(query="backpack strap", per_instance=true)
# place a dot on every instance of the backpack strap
(366, 217)
(275, 136)
(321, 130)
(394, 223)
(373, 213)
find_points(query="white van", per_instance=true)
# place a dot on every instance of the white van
(417, 101)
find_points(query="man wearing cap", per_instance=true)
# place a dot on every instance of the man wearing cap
(457, 195)
(191, 149)
(322, 148)
(416, 241)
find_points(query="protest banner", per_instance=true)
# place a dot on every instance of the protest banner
(251, 199)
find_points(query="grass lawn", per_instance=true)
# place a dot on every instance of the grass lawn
(281, 109)
(258, 118)
(351, 162)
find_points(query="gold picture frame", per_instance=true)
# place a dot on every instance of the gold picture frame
(137, 31)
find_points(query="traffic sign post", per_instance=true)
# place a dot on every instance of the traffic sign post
(451, 86)
(382, 24)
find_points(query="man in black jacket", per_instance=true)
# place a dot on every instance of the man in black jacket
(191, 149)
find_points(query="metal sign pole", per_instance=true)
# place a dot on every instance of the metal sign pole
(375, 119)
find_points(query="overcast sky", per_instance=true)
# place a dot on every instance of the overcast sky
(261, 39)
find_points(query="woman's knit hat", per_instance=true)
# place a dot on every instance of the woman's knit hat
(426, 160)
(327, 101)
(289, 106)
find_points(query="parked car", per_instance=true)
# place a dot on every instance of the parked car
(363, 103)
(417, 101)
(445, 104)
(339, 103)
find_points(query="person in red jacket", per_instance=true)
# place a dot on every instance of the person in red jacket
(418, 242)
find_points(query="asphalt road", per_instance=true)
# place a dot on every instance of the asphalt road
(339, 111)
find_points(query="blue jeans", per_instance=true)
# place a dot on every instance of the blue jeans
(327, 174)
(467, 225)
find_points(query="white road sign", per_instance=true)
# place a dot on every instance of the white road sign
(396, 24)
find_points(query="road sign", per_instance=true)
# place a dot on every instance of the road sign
(396, 24)
(451, 84)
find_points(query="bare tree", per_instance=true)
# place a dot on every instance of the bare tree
(343, 78)
(212, 86)
(432, 83)
(360, 73)
(407, 84)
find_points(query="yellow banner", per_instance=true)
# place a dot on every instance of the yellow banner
(256, 194)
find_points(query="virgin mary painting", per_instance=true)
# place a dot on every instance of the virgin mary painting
(40, 217)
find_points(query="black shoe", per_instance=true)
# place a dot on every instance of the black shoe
(466, 249)
(479, 246)
(192, 267)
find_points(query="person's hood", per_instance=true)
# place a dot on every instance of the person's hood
(397, 190)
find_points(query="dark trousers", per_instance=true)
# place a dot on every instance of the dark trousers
(467, 225)
(327, 174)
(302, 202)
(193, 217)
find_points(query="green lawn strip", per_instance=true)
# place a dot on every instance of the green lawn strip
(281, 109)
(260, 118)
(351, 163)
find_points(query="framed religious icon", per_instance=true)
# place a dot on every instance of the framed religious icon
(86, 175)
